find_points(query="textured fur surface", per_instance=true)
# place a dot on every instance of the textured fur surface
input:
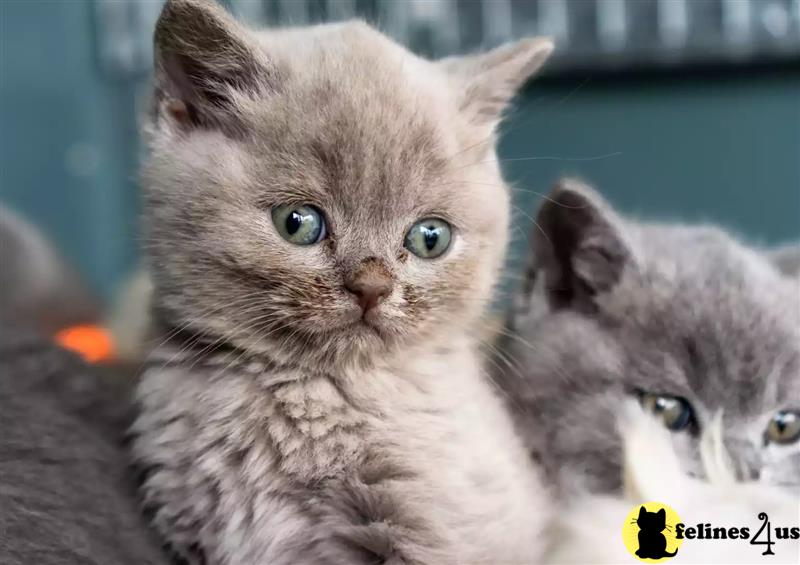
(587, 526)
(616, 307)
(65, 493)
(285, 429)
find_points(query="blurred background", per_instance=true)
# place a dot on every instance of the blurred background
(677, 109)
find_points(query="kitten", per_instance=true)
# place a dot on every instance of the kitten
(326, 220)
(686, 319)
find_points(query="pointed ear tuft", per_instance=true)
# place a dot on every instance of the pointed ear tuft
(578, 245)
(490, 80)
(202, 55)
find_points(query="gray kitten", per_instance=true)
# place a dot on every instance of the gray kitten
(326, 220)
(686, 319)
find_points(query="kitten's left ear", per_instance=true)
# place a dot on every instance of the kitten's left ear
(578, 246)
(202, 57)
(489, 81)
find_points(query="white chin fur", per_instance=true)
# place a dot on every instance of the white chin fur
(589, 527)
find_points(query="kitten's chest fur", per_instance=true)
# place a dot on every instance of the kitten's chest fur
(316, 430)
(418, 464)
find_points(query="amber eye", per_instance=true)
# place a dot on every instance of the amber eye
(675, 412)
(784, 428)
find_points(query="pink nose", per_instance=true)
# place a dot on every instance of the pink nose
(370, 285)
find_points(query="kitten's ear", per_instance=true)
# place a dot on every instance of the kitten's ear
(578, 245)
(642, 511)
(489, 81)
(202, 58)
(786, 259)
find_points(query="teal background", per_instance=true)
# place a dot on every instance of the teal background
(722, 147)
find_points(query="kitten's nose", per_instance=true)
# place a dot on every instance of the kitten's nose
(370, 283)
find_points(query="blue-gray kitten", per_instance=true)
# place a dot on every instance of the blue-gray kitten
(326, 220)
(686, 319)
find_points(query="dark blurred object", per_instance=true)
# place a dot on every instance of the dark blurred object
(590, 34)
(66, 494)
(642, 34)
(38, 290)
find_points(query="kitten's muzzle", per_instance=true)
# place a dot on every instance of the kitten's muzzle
(370, 283)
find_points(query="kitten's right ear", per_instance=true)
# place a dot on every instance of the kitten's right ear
(202, 57)
(488, 81)
(578, 245)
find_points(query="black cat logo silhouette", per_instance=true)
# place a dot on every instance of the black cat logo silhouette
(652, 543)
(649, 534)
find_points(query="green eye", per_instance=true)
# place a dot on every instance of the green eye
(301, 225)
(784, 427)
(428, 238)
(674, 411)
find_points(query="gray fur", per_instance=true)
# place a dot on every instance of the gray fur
(276, 425)
(66, 496)
(619, 306)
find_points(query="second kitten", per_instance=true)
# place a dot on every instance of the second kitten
(685, 319)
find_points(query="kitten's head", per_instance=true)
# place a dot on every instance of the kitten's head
(686, 319)
(321, 192)
(651, 521)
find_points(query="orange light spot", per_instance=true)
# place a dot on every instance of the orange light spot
(93, 343)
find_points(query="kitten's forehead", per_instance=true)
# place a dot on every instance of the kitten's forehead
(342, 44)
(356, 81)
(362, 125)
(718, 313)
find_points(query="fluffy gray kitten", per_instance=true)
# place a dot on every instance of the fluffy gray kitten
(326, 220)
(686, 319)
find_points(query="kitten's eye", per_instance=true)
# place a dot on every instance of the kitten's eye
(428, 238)
(784, 427)
(301, 225)
(674, 411)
